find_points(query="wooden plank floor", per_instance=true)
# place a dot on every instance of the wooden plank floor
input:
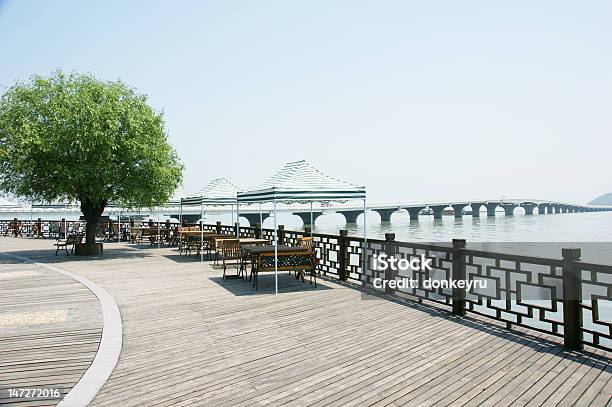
(50, 329)
(191, 338)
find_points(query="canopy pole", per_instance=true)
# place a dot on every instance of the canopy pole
(158, 230)
(260, 217)
(201, 231)
(365, 244)
(233, 213)
(311, 219)
(180, 226)
(237, 220)
(119, 226)
(275, 251)
(31, 232)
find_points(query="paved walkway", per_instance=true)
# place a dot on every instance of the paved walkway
(191, 338)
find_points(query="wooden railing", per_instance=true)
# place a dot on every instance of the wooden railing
(562, 297)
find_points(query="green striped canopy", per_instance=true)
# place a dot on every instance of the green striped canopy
(301, 182)
(219, 191)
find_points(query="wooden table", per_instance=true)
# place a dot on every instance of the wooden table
(138, 232)
(269, 248)
(206, 237)
(197, 232)
(290, 258)
(245, 241)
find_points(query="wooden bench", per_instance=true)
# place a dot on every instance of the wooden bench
(71, 240)
(300, 261)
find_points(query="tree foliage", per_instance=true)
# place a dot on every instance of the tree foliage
(75, 138)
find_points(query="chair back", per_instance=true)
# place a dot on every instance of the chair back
(230, 249)
(306, 242)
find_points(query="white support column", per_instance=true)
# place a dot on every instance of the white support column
(119, 226)
(365, 243)
(311, 219)
(275, 251)
(180, 226)
(31, 231)
(158, 230)
(201, 231)
(237, 220)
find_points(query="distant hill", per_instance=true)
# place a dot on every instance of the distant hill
(605, 199)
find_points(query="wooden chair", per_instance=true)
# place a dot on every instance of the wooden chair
(231, 254)
(191, 243)
(113, 231)
(217, 247)
(71, 240)
(306, 242)
(300, 261)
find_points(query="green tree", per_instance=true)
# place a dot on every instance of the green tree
(78, 139)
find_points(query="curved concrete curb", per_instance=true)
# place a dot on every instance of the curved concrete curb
(110, 345)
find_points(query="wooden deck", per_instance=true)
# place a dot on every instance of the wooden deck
(191, 338)
(50, 329)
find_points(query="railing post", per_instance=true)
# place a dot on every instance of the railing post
(258, 231)
(281, 235)
(390, 247)
(63, 227)
(342, 255)
(458, 274)
(218, 227)
(572, 296)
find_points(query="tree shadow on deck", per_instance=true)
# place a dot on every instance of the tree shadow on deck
(48, 255)
(286, 284)
(186, 258)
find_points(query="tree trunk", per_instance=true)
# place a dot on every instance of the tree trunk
(92, 212)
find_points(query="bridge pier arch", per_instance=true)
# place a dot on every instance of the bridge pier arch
(351, 216)
(253, 218)
(491, 207)
(458, 210)
(385, 214)
(305, 216)
(187, 218)
(544, 209)
(476, 209)
(437, 210)
(413, 211)
(508, 208)
(529, 207)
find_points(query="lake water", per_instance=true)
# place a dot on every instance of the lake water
(494, 233)
(574, 227)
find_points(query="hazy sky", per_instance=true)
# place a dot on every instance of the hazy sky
(414, 99)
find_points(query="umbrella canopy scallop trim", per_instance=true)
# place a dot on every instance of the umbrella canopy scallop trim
(299, 181)
(219, 191)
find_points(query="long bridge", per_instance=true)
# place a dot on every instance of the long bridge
(475, 208)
